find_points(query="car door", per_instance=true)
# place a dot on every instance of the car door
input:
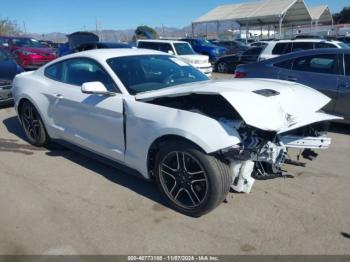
(343, 102)
(92, 121)
(320, 72)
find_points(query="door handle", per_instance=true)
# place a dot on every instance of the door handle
(59, 96)
(292, 78)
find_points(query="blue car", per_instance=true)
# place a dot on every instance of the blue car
(8, 70)
(204, 47)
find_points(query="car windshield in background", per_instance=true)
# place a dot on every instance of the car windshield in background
(144, 73)
(27, 42)
(3, 56)
(184, 49)
(343, 45)
(204, 42)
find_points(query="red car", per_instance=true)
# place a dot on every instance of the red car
(29, 53)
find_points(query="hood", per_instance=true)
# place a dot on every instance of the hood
(270, 105)
(194, 59)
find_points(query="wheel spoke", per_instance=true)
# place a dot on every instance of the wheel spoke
(198, 180)
(35, 123)
(184, 162)
(168, 174)
(195, 173)
(189, 195)
(195, 194)
(178, 193)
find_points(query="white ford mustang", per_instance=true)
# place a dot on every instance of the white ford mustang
(166, 120)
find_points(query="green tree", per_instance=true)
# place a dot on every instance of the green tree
(145, 32)
(343, 16)
(8, 27)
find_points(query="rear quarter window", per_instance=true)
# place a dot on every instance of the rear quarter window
(54, 71)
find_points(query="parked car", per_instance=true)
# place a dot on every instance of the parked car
(276, 48)
(344, 39)
(98, 45)
(308, 36)
(204, 47)
(327, 70)
(233, 47)
(181, 50)
(165, 120)
(228, 64)
(8, 70)
(75, 40)
(28, 52)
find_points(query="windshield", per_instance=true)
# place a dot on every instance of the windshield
(343, 45)
(204, 42)
(144, 73)
(183, 49)
(27, 42)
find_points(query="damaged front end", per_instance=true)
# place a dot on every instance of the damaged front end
(262, 154)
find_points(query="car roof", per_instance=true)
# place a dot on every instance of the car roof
(308, 52)
(162, 41)
(304, 40)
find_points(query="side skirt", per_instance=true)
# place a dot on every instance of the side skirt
(121, 167)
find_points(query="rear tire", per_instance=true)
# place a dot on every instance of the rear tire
(33, 125)
(193, 182)
(222, 67)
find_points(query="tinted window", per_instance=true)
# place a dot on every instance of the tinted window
(302, 46)
(253, 51)
(152, 72)
(54, 71)
(347, 65)
(147, 45)
(324, 45)
(326, 64)
(287, 64)
(282, 48)
(81, 70)
(163, 47)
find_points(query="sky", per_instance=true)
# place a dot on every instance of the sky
(66, 16)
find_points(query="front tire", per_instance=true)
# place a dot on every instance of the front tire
(33, 125)
(193, 182)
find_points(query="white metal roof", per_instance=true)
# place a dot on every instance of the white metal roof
(260, 13)
(321, 14)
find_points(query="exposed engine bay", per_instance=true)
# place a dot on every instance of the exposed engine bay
(260, 154)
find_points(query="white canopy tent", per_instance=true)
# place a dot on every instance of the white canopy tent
(261, 13)
(321, 15)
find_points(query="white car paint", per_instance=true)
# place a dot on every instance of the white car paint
(97, 122)
(201, 62)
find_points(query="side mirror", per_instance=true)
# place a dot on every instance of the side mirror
(95, 88)
(170, 52)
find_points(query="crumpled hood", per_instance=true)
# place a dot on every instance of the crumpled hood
(270, 105)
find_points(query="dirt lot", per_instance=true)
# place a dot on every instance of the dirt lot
(55, 201)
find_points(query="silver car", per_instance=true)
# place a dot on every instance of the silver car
(327, 70)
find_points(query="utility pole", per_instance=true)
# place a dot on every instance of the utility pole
(24, 27)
